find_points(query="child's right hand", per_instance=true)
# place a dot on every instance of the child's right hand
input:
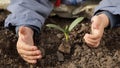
(25, 46)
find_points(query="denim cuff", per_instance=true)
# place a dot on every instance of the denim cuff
(35, 29)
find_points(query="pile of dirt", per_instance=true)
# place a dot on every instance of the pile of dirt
(107, 55)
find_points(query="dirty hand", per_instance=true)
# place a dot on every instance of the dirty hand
(25, 45)
(97, 28)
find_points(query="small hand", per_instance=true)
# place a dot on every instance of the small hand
(25, 45)
(97, 28)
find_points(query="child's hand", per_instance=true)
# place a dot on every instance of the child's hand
(25, 45)
(97, 28)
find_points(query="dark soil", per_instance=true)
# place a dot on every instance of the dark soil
(107, 55)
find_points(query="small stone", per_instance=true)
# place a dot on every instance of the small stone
(82, 28)
(64, 48)
(60, 36)
(60, 56)
(77, 51)
(31, 66)
(72, 65)
(0, 51)
(5, 56)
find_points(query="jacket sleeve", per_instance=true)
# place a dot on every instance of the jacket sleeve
(30, 13)
(111, 9)
(73, 2)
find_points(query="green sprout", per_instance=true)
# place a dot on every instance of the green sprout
(67, 29)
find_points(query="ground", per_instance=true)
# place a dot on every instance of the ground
(107, 55)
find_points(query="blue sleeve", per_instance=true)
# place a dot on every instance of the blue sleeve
(111, 9)
(30, 13)
(114, 20)
(73, 2)
(113, 6)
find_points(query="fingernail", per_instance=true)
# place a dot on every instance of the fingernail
(87, 35)
(38, 52)
(40, 56)
(34, 48)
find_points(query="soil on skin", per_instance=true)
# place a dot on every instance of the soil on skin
(107, 55)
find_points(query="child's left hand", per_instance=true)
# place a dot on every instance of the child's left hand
(97, 28)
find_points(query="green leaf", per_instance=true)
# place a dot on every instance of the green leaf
(55, 26)
(75, 22)
(66, 28)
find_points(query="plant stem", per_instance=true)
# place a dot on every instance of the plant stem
(66, 36)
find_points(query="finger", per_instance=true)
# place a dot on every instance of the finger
(91, 44)
(91, 36)
(96, 45)
(29, 53)
(30, 61)
(88, 42)
(26, 47)
(95, 22)
(92, 40)
(32, 57)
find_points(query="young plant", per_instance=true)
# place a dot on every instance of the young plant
(67, 28)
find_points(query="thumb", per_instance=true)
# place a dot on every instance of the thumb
(95, 26)
(22, 31)
(95, 22)
(25, 33)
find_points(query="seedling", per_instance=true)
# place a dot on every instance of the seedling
(65, 47)
(68, 28)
